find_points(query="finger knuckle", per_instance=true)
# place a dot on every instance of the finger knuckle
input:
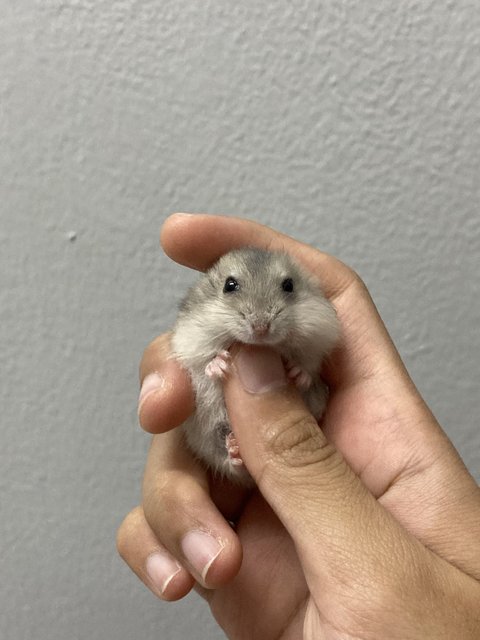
(356, 280)
(155, 500)
(162, 498)
(298, 442)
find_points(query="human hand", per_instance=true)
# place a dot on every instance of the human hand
(367, 528)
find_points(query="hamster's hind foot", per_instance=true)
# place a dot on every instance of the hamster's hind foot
(302, 379)
(233, 450)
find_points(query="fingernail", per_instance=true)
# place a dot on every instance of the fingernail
(152, 382)
(201, 549)
(260, 370)
(161, 569)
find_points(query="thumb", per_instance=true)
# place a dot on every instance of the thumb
(333, 520)
(366, 574)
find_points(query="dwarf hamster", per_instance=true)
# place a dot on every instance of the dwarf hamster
(250, 296)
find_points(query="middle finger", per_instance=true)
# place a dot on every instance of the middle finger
(182, 514)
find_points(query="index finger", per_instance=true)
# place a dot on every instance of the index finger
(198, 240)
(166, 396)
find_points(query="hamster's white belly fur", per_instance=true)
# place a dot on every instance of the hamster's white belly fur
(206, 429)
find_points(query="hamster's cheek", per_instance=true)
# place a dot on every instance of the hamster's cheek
(284, 325)
(236, 328)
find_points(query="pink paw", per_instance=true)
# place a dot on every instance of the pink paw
(218, 367)
(233, 450)
(302, 379)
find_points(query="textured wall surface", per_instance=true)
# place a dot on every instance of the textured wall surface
(352, 125)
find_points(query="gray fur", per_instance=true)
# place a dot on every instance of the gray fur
(303, 328)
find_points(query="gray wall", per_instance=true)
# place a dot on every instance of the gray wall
(352, 125)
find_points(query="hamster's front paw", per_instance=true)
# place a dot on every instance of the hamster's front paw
(302, 379)
(219, 366)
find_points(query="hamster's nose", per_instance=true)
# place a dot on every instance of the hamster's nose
(260, 329)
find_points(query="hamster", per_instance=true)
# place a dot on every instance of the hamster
(250, 296)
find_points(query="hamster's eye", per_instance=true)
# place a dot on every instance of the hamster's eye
(230, 285)
(287, 285)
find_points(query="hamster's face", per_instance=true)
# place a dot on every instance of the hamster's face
(258, 296)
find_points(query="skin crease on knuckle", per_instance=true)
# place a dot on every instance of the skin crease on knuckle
(294, 447)
(165, 502)
(170, 494)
